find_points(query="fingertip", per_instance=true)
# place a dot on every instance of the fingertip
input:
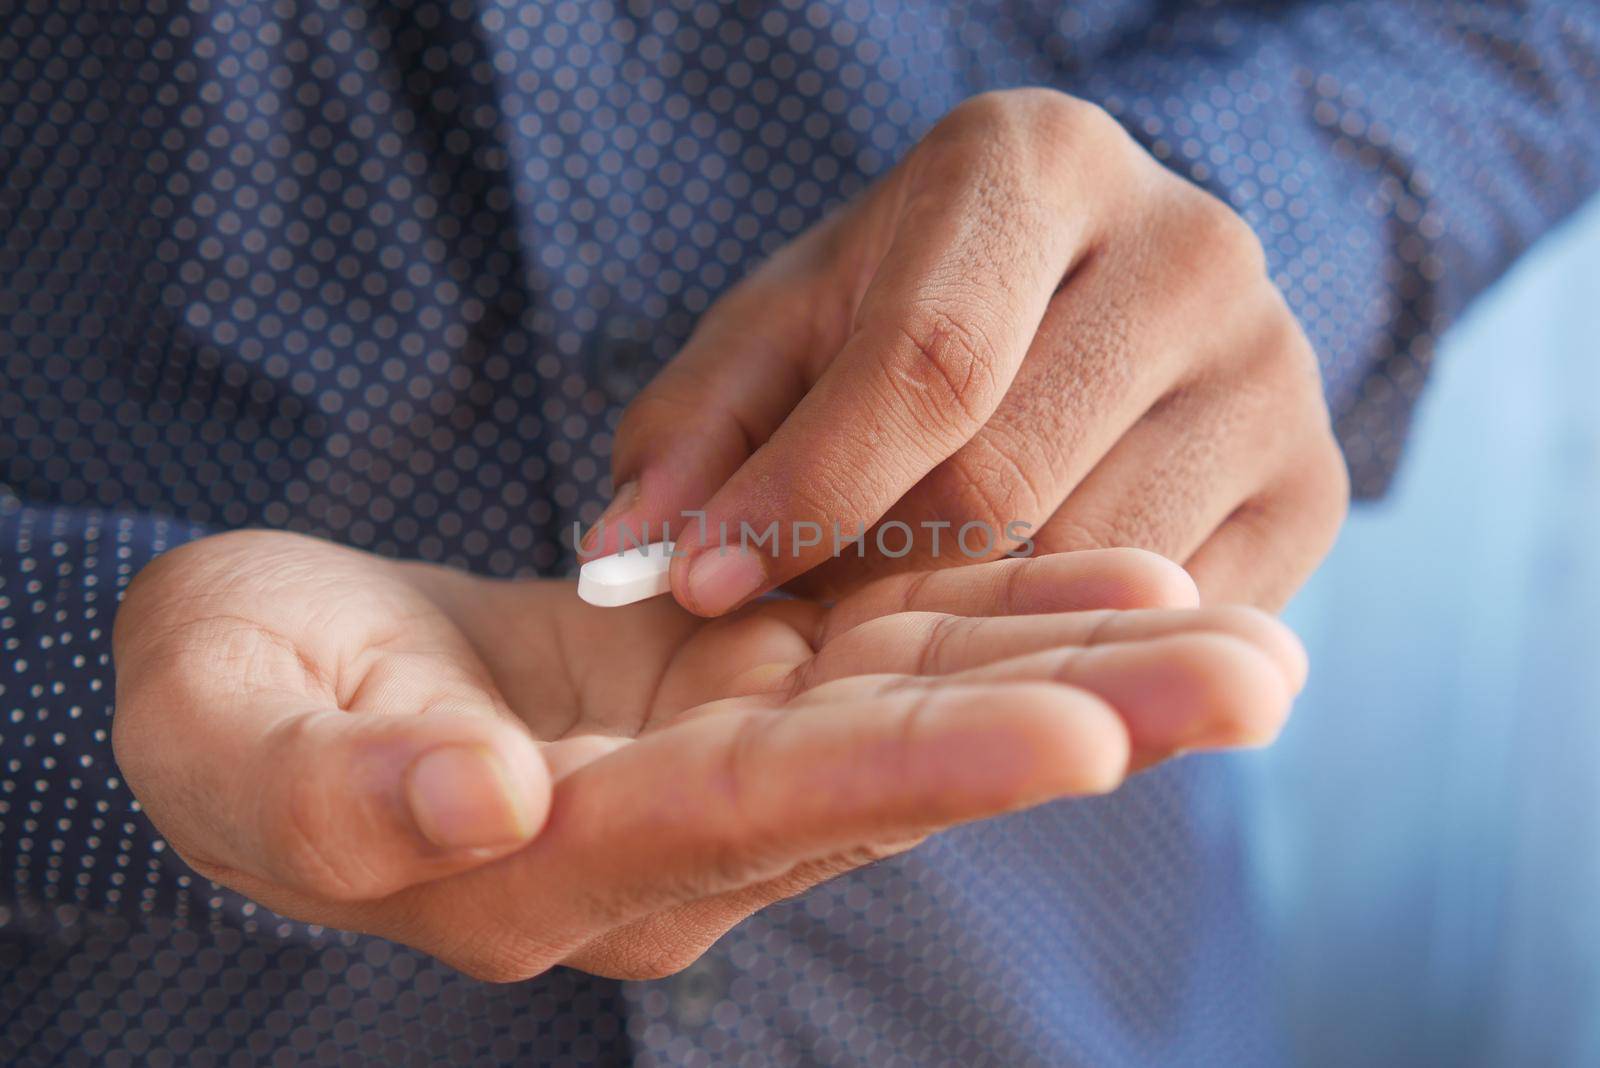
(1273, 637)
(463, 797)
(1048, 741)
(718, 579)
(1139, 578)
(1237, 692)
(1196, 690)
(1084, 743)
(530, 780)
(476, 784)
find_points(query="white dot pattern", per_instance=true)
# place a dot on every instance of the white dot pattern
(387, 272)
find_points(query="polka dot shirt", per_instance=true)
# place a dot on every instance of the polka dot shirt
(387, 272)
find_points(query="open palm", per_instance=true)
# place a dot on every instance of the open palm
(510, 779)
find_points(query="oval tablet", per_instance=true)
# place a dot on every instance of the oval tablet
(625, 577)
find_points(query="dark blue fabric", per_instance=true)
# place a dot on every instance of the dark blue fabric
(387, 273)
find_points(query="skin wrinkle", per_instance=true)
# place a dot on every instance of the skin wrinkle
(910, 592)
(652, 701)
(389, 645)
(431, 580)
(933, 344)
(1097, 631)
(558, 637)
(911, 726)
(841, 481)
(194, 635)
(944, 629)
(1008, 594)
(990, 507)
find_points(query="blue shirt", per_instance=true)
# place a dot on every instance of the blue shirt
(387, 272)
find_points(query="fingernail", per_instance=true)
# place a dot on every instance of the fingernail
(722, 578)
(626, 496)
(461, 799)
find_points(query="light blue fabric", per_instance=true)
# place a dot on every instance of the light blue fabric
(1428, 829)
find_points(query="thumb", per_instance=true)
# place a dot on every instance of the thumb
(343, 806)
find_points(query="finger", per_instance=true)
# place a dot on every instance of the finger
(741, 371)
(938, 336)
(1059, 582)
(933, 643)
(329, 804)
(1175, 692)
(1270, 545)
(723, 802)
(1174, 477)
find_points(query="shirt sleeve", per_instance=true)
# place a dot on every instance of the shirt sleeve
(71, 835)
(1394, 157)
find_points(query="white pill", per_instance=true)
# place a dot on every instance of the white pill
(625, 577)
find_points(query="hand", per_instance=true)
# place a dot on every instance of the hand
(1029, 320)
(509, 779)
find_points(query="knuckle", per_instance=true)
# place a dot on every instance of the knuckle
(989, 480)
(1330, 479)
(163, 585)
(1277, 363)
(658, 405)
(736, 857)
(730, 863)
(1025, 135)
(949, 376)
(1064, 120)
(981, 113)
(135, 746)
(638, 427)
(1285, 345)
(1228, 244)
(1144, 579)
(147, 586)
(495, 969)
(1034, 112)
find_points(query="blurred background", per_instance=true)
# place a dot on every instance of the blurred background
(1427, 833)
